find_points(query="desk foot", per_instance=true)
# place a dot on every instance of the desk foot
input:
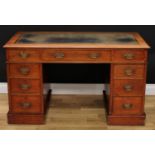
(25, 118)
(126, 120)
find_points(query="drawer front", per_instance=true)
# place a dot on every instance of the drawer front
(26, 104)
(127, 105)
(24, 70)
(128, 87)
(24, 86)
(129, 71)
(23, 55)
(77, 55)
(129, 56)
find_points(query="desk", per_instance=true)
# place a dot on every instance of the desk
(125, 52)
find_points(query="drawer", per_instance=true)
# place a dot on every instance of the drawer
(26, 104)
(128, 87)
(74, 55)
(127, 105)
(129, 71)
(24, 70)
(23, 55)
(129, 56)
(25, 86)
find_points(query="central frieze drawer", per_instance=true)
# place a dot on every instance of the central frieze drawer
(76, 55)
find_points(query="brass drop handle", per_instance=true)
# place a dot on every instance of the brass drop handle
(128, 87)
(59, 55)
(25, 86)
(94, 55)
(24, 70)
(25, 104)
(24, 55)
(129, 72)
(127, 106)
(129, 56)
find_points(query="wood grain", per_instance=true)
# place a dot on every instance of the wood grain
(31, 70)
(14, 55)
(17, 104)
(135, 102)
(135, 71)
(33, 86)
(76, 55)
(137, 87)
(139, 56)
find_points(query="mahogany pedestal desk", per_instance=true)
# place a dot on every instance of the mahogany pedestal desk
(126, 53)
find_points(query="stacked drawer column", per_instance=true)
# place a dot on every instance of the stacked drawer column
(128, 76)
(25, 88)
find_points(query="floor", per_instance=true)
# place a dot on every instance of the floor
(71, 112)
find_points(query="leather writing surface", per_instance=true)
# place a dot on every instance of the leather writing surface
(49, 38)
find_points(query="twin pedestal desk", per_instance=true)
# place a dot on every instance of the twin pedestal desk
(126, 53)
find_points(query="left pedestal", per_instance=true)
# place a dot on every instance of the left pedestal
(26, 103)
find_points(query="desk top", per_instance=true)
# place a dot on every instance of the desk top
(76, 40)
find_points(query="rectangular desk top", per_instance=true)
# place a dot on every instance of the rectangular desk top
(76, 40)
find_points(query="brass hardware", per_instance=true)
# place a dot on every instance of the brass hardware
(24, 55)
(129, 72)
(94, 55)
(25, 104)
(59, 55)
(128, 87)
(24, 70)
(127, 106)
(25, 86)
(129, 56)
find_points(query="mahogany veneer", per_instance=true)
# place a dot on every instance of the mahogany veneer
(128, 106)
(128, 87)
(24, 70)
(125, 52)
(129, 71)
(26, 104)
